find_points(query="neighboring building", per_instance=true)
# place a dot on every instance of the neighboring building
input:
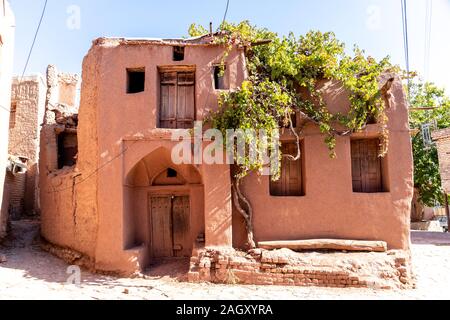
(27, 114)
(7, 28)
(442, 139)
(125, 203)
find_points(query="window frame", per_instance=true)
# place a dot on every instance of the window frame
(366, 186)
(131, 71)
(216, 78)
(301, 163)
(178, 69)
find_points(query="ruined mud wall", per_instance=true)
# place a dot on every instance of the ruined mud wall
(67, 206)
(28, 103)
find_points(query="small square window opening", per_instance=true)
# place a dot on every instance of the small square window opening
(219, 77)
(178, 53)
(171, 173)
(135, 80)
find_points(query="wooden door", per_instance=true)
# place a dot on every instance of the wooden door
(161, 230)
(181, 227)
(290, 182)
(170, 226)
(366, 166)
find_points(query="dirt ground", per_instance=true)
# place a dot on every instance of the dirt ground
(30, 273)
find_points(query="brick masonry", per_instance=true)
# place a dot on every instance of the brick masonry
(442, 138)
(287, 268)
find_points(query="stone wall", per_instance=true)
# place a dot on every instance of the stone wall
(287, 268)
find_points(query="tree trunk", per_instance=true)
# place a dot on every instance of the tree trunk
(238, 197)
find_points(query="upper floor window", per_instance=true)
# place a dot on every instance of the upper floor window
(178, 53)
(367, 166)
(290, 183)
(219, 77)
(135, 80)
(177, 99)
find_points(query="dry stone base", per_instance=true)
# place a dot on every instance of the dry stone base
(387, 270)
(69, 256)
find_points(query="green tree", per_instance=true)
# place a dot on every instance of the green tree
(278, 71)
(427, 177)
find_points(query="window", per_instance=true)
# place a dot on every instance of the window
(177, 105)
(178, 53)
(12, 115)
(171, 173)
(135, 80)
(67, 149)
(290, 183)
(366, 166)
(219, 77)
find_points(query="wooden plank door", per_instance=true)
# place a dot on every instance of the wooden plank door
(186, 100)
(161, 230)
(366, 166)
(168, 104)
(181, 227)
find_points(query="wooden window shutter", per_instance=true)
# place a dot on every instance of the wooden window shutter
(177, 106)
(366, 166)
(186, 100)
(290, 183)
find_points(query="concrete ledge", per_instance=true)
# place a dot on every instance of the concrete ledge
(326, 244)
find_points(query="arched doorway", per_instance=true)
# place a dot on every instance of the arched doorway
(165, 207)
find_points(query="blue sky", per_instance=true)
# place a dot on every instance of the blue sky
(375, 25)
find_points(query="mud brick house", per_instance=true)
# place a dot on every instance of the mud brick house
(442, 139)
(7, 28)
(26, 116)
(125, 203)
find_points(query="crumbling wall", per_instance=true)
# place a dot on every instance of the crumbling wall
(67, 199)
(28, 103)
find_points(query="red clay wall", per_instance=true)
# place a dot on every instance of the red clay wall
(100, 217)
(330, 208)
